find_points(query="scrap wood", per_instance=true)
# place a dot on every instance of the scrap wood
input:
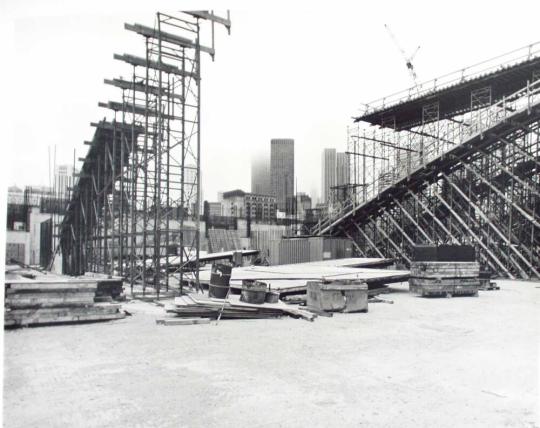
(191, 305)
(297, 299)
(379, 300)
(182, 321)
(319, 311)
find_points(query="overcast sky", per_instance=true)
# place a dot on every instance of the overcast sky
(284, 72)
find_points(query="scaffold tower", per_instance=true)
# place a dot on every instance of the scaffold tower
(135, 208)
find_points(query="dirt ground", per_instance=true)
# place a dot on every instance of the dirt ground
(460, 362)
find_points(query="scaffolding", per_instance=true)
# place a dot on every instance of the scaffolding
(136, 207)
(456, 162)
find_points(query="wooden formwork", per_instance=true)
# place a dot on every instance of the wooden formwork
(444, 278)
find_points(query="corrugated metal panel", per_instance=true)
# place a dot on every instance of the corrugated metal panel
(337, 248)
(294, 251)
(286, 251)
(273, 251)
(260, 239)
(316, 248)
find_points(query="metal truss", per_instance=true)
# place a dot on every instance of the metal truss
(135, 208)
(471, 177)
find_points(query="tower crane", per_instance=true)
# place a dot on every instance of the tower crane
(408, 59)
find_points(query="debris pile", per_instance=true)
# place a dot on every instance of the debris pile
(199, 306)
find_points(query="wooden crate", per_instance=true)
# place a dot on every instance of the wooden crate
(338, 296)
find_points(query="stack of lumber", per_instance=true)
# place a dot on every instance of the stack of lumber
(37, 298)
(436, 274)
(108, 287)
(199, 306)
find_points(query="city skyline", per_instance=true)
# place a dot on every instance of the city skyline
(279, 107)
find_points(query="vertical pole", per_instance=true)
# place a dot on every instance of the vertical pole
(105, 209)
(133, 184)
(121, 222)
(198, 197)
(145, 168)
(168, 181)
(182, 172)
(157, 184)
(112, 159)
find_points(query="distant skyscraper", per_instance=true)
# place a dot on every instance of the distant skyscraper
(328, 174)
(282, 173)
(342, 169)
(63, 176)
(335, 171)
(342, 176)
(260, 174)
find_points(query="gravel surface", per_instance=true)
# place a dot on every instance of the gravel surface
(421, 362)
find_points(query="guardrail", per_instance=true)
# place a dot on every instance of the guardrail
(500, 62)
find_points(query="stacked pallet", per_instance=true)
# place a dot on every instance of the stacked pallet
(198, 306)
(34, 298)
(446, 270)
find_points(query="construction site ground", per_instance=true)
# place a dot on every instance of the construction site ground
(421, 362)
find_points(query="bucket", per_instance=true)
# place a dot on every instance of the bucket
(219, 281)
(253, 292)
(272, 297)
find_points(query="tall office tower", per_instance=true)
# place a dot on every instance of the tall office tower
(260, 174)
(342, 169)
(342, 177)
(63, 180)
(328, 174)
(282, 173)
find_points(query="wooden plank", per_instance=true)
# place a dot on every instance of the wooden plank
(319, 312)
(183, 321)
(104, 308)
(49, 302)
(59, 315)
(51, 281)
(53, 289)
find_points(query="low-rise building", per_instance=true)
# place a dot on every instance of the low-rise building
(214, 209)
(238, 203)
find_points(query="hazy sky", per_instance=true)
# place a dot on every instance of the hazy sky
(284, 72)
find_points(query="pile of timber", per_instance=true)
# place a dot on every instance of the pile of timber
(109, 288)
(37, 298)
(199, 306)
(445, 270)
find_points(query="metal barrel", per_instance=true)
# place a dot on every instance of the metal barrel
(219, 281)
